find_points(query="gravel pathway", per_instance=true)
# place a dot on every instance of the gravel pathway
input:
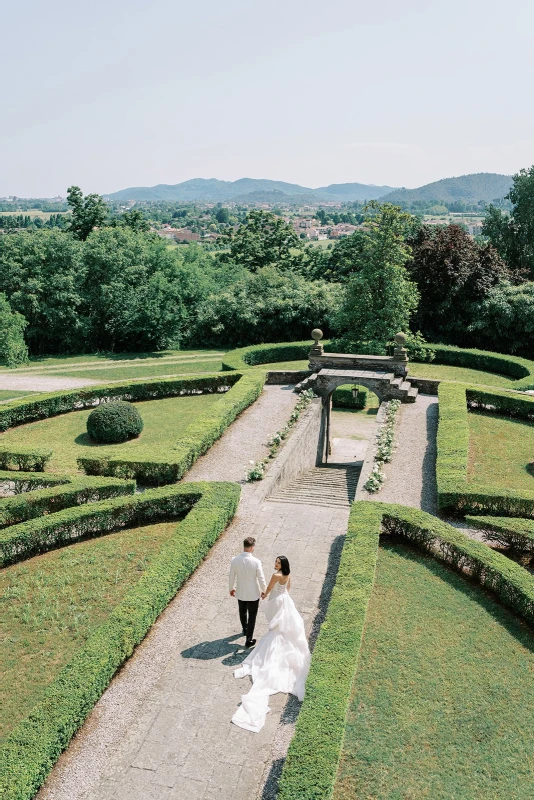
(40, 383)
(411, 475)
(162, 729)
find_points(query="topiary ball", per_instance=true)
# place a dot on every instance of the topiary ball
(114, 422)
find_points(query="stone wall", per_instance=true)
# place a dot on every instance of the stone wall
(288, 376)
(300, 452)
(425, 385)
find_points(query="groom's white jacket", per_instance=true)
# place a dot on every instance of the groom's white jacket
(246, 577)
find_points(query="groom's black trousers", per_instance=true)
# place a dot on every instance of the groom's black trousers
(248, 611)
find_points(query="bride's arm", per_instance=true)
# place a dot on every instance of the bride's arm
(289, 583)
(273, 580)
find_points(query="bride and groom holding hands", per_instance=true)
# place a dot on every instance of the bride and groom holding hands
(281, 660)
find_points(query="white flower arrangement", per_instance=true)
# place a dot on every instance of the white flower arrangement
(384, 448)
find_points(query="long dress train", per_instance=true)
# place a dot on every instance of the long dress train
(279, 663)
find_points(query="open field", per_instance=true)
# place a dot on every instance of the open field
(66, 435)
(56, 600)
(33, 212)
(501, 452)
(442, 701)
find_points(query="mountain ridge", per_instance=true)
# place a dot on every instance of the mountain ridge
(472, 188)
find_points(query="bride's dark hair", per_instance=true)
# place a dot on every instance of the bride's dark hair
(284, 565)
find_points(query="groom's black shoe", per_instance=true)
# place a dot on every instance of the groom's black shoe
(250, 643)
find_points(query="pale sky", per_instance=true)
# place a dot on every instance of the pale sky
(118, 93)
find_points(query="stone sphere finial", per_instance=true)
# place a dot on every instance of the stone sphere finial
(317, 334)
(400, 339)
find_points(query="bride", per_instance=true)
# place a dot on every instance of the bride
(280, 662)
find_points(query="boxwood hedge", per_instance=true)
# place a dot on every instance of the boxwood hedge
(342, 398)
(196, 439)
(17, 482)
(43, 406)
(455, 495)
(32, 504)
(32, 749)
(512, 532)
(34, 536)
(255, 354)
(312, 761)
(24, 458)
(520, 369)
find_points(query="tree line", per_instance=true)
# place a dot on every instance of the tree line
(108, 284)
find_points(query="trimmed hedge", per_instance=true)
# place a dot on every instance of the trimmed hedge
(34, 536)
(31, 750)
(50, 405)
(455, 495)
(520, 369)
(17, 482)
(114, 422)
(515, 533)
(311, 766)
(23, 458)
(30, 505)
(196, 439)
(256, 354)
(342, 398)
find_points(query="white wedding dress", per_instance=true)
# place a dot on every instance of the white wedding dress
(279, 663)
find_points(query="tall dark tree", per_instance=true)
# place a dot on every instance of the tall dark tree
(88, 212)
(452, 273)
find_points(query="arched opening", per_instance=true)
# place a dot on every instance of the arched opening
(351, 425)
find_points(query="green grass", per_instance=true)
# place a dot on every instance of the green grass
(55, 601)
(9, 394)
(142, 371)
(37, 363)
(442, 701)
(501, 452)
(459, 374)
(67, 437)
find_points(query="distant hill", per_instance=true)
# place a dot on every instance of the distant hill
(212, 190)
(482, 186)
(348, 192)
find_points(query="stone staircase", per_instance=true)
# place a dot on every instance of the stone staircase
(390, 386)
(328, 485)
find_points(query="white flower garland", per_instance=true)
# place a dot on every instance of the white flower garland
(384, 448)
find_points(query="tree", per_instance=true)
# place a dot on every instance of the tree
(513, 235)
(452, 273)
(505, 319)
(42, 275)
(13, 350)
(135, 220)
(379, 298)
(263, 240)
(264, 306)
(222, 215)
(88, 212)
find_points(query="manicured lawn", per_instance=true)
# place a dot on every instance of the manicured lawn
(445, 373)
(66, 435)
(38, 363)
(442, 701)
(10, 394)
(500, 452)
(144, 370)
(51, 604)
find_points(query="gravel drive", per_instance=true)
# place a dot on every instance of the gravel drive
(40, 383)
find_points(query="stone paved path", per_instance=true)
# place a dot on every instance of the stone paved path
(162, 729)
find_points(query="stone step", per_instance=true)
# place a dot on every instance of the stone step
(321, 486)
(397, 382)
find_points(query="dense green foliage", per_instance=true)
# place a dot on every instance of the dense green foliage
(513, 234)
(87, 212)
(506, 317)
(344, 398)
(31, 504)
(264, 240)
(312, 762)
(379, 298)
(13, 350)
(34, 746)
(114, 422)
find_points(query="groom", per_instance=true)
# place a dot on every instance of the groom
(248, 582)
